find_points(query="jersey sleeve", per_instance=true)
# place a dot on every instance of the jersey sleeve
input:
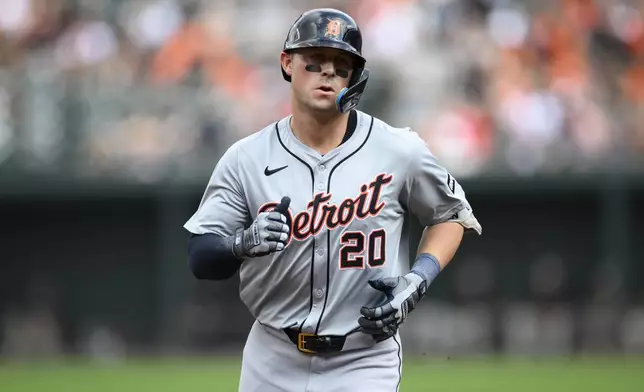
(223, 206)
(431, 193)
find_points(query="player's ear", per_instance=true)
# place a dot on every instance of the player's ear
(287, 63)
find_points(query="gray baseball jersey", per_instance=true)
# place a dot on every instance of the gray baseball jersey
(348, 218)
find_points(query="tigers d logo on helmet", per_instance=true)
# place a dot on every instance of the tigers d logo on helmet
(333, 29)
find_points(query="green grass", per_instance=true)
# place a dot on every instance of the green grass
(502, 375)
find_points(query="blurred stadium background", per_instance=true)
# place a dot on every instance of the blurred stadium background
(113, 114)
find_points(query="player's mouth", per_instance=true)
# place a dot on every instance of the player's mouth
(326, 88)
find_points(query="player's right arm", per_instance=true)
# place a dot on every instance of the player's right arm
(438, 201)
(220, 235)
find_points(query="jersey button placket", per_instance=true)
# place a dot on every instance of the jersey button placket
(318, 290)
(319, 295)
(321, 185)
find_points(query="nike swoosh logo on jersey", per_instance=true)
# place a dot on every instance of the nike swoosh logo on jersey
(269, 172)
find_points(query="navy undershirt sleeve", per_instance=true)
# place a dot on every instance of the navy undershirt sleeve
(211, 257)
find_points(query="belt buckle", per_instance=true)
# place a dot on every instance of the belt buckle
(301, 343)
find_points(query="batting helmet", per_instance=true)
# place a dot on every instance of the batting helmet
(331, 28)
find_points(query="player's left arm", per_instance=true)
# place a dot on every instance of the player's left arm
(433, 195)
(441, 241)
(439, 201)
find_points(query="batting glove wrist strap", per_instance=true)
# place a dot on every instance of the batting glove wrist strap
(238, 244)
(426, 267)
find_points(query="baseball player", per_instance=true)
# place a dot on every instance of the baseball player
(312, 210)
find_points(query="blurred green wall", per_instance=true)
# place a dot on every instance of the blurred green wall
(116, 255)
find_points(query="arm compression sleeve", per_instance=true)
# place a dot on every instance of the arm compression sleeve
(211, 256)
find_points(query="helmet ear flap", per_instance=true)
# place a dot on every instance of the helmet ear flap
(358, 74)
(348, 97)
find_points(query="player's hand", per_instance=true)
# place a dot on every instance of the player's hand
(267, 234)
(403, 294)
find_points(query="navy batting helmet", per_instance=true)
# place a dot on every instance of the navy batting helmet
(331, 28)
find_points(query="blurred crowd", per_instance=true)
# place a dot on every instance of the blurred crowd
(161, 87)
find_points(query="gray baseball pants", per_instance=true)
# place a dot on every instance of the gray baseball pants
(272, 363)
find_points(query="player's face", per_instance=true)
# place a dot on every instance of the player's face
(318, 75)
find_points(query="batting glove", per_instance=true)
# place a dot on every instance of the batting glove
(403, 294)
(267, 234)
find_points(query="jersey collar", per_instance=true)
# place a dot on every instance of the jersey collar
(357, 129)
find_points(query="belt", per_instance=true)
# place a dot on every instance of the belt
(315, 344)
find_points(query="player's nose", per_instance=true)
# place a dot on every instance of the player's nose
(328, 68)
